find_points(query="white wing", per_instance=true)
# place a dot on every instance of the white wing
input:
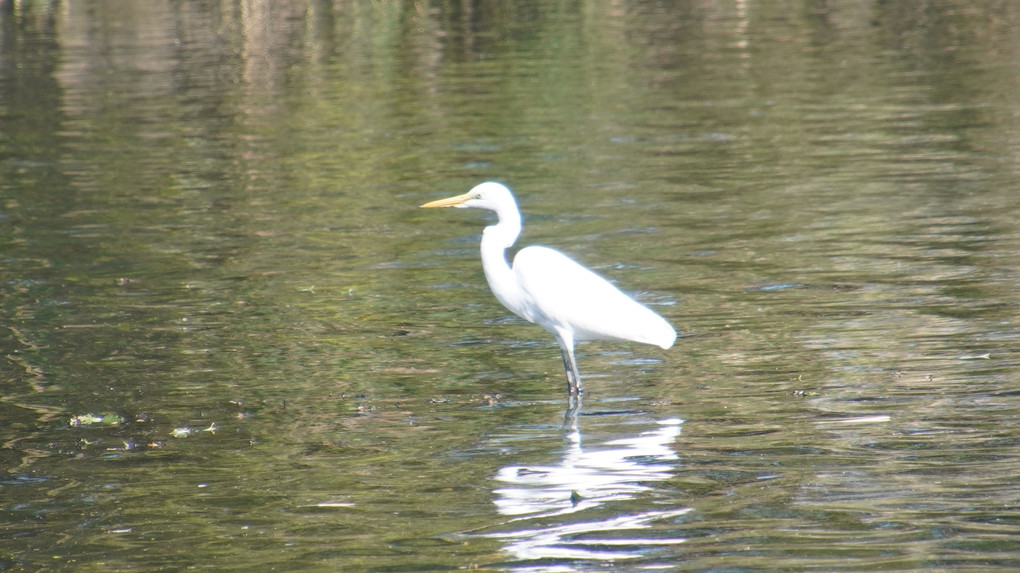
(563, 294)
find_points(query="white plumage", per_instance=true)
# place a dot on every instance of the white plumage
(550, 289)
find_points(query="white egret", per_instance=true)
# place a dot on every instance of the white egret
(550, 289)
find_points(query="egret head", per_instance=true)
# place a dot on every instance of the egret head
(489, 195)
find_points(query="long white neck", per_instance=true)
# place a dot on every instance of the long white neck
(496, 239)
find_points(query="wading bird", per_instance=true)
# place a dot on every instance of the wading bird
(550, 289)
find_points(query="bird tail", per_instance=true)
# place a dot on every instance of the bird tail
(664, 335)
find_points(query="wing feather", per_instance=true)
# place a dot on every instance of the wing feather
(564, 294)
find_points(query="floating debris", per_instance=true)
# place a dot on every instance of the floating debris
(126, 446)
(104, 419)
(186, 432)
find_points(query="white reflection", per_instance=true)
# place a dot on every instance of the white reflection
(616, 470)
(588, 477)
(559, 542)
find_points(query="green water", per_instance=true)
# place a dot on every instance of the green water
(232, 340)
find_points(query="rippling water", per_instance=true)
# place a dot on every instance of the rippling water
(232, 340)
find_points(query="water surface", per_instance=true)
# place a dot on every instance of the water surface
(233, 341)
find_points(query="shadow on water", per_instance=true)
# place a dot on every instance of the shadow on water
(574, 510)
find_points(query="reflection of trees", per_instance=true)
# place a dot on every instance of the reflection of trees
(206, 95)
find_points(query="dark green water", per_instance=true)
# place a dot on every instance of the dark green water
(232, 341)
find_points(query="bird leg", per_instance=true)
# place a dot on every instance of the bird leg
(574, 385)
(570, 416)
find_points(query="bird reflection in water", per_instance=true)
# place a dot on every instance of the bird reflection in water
(560, 511)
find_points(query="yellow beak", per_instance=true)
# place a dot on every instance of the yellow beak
(448, 202)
